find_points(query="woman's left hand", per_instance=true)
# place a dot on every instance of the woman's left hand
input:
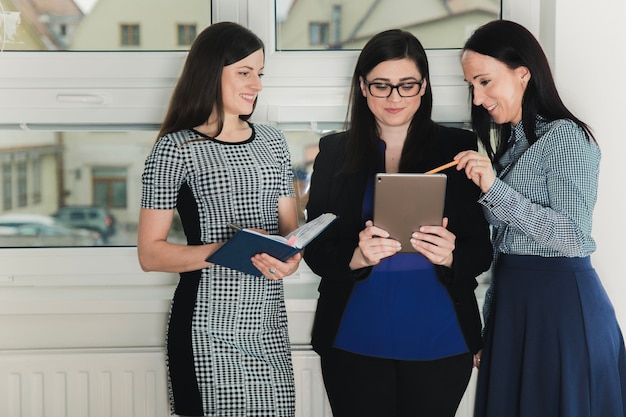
(436, 243)
(275, 269)
(477, 357)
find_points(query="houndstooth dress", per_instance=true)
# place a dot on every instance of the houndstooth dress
(228, 351)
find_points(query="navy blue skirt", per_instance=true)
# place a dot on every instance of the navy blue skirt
(553, 347)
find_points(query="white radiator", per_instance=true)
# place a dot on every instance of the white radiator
(75, 343)
(311, 400)
(108, 383)
(125, 383)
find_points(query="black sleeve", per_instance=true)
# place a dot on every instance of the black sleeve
(473, 250)
(330, 253)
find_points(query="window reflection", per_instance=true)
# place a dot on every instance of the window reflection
(349, 24)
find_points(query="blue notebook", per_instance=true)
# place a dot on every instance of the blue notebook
(246, 243)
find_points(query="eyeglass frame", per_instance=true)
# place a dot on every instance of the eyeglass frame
(396, 87)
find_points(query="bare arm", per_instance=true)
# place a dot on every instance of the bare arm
(287, 215)
(157, 254)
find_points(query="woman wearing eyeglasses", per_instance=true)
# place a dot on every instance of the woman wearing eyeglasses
(397, 333)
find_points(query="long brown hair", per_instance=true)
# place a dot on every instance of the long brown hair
(198, 92)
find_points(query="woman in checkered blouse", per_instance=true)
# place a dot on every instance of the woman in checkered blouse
(228, 350)
(553, 346)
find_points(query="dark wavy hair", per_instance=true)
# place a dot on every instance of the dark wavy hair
(514, 46)
(198, 91)
(363, 137)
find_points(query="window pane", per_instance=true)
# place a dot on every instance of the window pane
(91, 185)
(303, 146)
(349, 24)
(101, 25)
(89, 192)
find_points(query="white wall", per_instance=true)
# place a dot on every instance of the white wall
(590, 70)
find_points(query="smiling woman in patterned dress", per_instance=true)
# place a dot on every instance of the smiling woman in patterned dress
(228, 351)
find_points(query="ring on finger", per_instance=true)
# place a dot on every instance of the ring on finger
(272, 271)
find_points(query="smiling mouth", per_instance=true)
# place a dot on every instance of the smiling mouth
(493, 106)
(248, 97)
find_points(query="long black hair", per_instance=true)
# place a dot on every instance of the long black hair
(363, 135)
(514, 46)
(198, 91)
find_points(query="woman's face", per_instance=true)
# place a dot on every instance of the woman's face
(496, 87)
(394, 111)
(241, 83)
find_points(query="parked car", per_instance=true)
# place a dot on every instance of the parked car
(34, 230)
(95, 218)
(13, 220)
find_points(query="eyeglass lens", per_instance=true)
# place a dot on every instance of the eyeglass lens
(383, 90)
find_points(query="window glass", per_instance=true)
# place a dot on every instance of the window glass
(90, 185)
(348, 24)
(101, 25)
(303, 146)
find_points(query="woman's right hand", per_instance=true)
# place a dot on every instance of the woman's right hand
(477, 168)
(374, 245)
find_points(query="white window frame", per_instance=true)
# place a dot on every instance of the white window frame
(111, 90)
(130, 90)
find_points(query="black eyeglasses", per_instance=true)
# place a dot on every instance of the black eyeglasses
(384, 90)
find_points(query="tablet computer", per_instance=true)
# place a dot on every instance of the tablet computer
(404, 202)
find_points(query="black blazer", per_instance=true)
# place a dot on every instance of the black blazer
(342, 194)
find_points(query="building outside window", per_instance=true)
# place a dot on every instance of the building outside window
(36, 163)
(7, 186)
(22, 183)
(318, 33)
(109, 187)
(186, 34)
(129, 34)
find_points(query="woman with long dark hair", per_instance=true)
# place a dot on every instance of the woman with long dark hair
(553, 346)
(397, 333)
(228, 351)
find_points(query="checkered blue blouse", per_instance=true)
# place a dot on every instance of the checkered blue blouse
(543, 198)
(542, 201)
